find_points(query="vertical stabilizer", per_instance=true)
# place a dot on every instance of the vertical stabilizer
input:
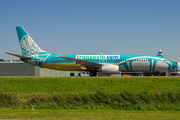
(27, 44)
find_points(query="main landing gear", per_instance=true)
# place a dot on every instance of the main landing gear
(93, 73)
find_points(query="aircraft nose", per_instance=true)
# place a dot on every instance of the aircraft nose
(174, 65)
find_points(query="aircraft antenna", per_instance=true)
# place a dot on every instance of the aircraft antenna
(160, 53)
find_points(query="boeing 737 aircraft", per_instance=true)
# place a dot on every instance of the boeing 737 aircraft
(105, 63)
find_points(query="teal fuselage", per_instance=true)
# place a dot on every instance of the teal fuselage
(125, 62)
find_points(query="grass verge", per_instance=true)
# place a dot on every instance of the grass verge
(118, 93)
(67, 85)
(87, 114)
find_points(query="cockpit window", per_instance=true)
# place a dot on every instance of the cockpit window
(166, 60)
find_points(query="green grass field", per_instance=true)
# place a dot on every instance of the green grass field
(90, 97)
(88, 114)
(29, 85)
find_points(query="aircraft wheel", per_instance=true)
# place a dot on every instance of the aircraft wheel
(93, 73)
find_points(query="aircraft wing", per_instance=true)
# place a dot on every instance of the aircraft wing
(83, 62)
(19, 56)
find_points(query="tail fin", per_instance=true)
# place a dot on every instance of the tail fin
(27, 44)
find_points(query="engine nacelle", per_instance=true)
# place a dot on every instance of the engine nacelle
(110, 69)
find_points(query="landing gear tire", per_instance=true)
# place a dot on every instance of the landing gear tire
(93, 73)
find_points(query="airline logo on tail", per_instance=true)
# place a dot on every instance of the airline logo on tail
(27, 44)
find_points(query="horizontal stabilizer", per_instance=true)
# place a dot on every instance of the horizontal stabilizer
(19, 56)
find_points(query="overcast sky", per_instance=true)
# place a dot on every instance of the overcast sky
(93, 26)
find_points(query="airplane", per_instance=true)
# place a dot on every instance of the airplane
(104, 63)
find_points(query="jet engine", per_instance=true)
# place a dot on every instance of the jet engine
(110, 69)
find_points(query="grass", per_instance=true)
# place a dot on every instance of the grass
(90, 98)
(87, 114)
(66, 85)
(122, 93)
(99, 100)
